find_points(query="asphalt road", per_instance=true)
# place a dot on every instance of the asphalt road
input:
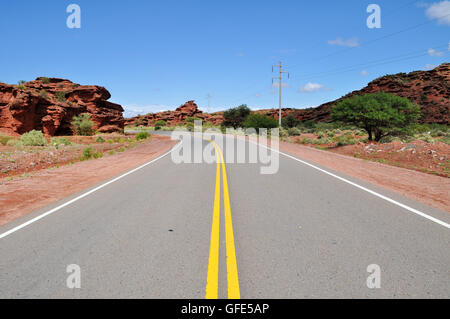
(300, 233)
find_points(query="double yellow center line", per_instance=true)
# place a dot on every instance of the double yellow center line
(212, 285)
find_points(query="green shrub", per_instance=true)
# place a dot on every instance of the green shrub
(5, 139)
(60, 141)
(445, 139)
(289, 121)
(389, 139)
(142, 136)
(426, 138)
(345, 140)
(87, 153)
(100, 140)
(14, 142)
(61, 96)
(159, 124)
(97, 155)
(82, 125)
(294, 131)
(21, 87)
(33, 138)
(45, 80)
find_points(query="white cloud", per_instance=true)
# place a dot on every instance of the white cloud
(312, 87)
(430, 66)
(364, 73)
(439, 11)
(433, 52)
(352, 42)
(240, 54)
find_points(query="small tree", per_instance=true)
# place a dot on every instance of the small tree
(380, 114)
(258, 121)
(83, 125)
(289, 121)
(235, 117)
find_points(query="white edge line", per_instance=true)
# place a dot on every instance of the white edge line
(13, 230)
(415, 211)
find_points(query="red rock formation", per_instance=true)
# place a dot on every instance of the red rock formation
(172, 118)
(50, 104)
(429, 89)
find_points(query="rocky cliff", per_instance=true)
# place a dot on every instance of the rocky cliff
(172, 118)
(428, 89)
(49, 104)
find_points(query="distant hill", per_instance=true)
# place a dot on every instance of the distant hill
(429, 89)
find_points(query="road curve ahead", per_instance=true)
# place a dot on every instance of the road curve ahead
(221, 230)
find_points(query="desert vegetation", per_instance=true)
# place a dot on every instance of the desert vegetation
(20, 156)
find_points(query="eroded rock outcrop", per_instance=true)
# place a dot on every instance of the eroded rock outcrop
(428, 89)
(49, 104)
(179, 116)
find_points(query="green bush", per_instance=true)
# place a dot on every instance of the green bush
(142, 136)
(97, 155)
(426, 138)
(14, 142)
(5, 139)
(345, 140)
(294, 131)
(159, 124)
(289, 121)
(82, 125)
(61, 96)
(45, 80)
(380, 114)
(87, 153)
(60, 141)
(100, 140)
(258, 121)
(235, 117)
(33, 138)
(445, 139)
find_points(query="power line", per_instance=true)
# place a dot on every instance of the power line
(374, 40)
(396, 58)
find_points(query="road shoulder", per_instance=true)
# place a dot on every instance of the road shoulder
(23, 196)
(425, 188)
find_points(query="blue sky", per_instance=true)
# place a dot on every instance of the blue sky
(155, 55)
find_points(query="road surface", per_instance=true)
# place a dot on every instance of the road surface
(300, 233)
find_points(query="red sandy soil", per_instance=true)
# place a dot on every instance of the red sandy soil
(417, 155)
(15, 161)
(22, 196)
(432, 158)
(426, 188)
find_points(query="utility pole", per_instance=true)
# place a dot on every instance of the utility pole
(281, 85)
